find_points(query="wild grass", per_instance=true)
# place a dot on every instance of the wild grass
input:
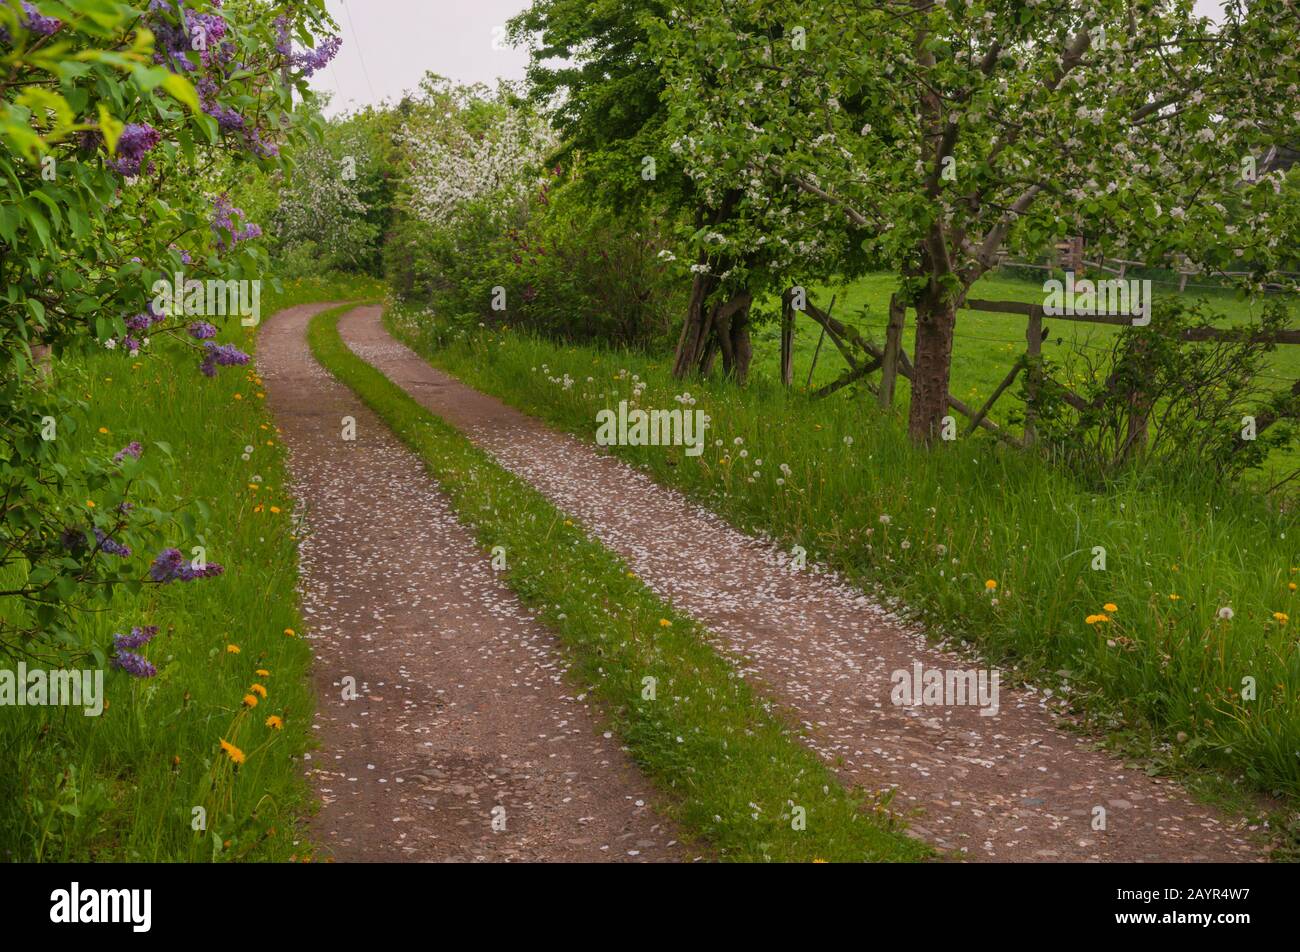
(124, 786)
(730, 771)
(1198, 659)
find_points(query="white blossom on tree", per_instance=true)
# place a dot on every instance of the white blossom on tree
(472, 147)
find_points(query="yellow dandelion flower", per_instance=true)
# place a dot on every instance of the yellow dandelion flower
(250, 700)
(103, 429)
(1281, 617)
(990, 585)
(289, 632)
(263, 673)
(90, 503)
(275, 509)
(665, 623)
(259, 690)
(1291, 585)
(234, 753)
(1174, 598)
(239, 396)
(1110, 607)
(275, 723)
(232, 649)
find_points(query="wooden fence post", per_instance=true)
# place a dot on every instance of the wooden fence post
(1033, 361)
(893, 345)
(787, 340)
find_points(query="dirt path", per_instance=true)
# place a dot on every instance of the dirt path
(1008, 787)
(462, 702)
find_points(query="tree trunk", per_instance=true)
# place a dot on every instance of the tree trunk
(731, 329)
(932, 367)
(696, 330)
(693, 348)
(710, 357)
(742, 350)
(41, 357)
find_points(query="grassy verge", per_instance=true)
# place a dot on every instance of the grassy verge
(730, 769)
(124, 786)
(980, 544)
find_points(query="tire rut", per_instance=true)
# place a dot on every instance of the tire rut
(463, 712)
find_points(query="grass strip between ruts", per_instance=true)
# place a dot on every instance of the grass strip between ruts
(731, 772)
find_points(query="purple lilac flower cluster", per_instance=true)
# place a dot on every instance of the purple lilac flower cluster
(203, 33)
(225, 227)
(133, 664)
(132, 145)
(137, 328)
(170, 566)
(36, 23)
(202, 330)
(309, 61)
(138, 638)
(132, 449)
(175, 39)
(124, 651)
(228, 119)
(110, 545)
(142, 322)
(221, 355)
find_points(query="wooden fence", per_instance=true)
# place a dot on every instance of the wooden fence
(864, 357)
(1071, 255)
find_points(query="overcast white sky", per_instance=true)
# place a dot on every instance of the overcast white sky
(389, 44)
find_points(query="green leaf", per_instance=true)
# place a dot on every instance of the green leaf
(110, 127)
(182, 90)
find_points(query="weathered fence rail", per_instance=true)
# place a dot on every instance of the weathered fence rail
(1070, 255)
(1118, 320)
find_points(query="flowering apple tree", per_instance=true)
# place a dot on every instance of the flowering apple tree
(943, 134)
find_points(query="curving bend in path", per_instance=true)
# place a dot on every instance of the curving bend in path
(1009, 787)
(463, 714)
